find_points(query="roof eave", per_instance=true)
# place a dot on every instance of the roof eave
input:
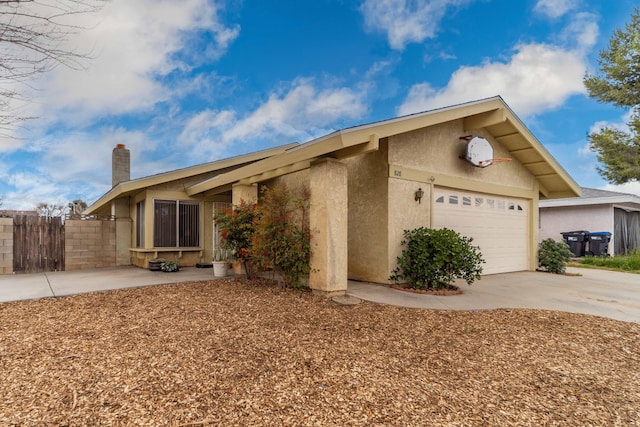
(128, 187)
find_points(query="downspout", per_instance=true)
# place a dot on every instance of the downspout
(432, 193)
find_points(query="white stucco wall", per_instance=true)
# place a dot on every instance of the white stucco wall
(554, 221)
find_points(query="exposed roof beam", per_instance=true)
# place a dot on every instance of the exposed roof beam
(484, 120)
(372, 145)
(506, 135)
(305, 164)
(521, 150)
(539, 163)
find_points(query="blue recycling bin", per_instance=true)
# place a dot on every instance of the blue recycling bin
(599, 243)
(577, 241)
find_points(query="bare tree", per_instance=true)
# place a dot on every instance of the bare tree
(50, 210)
(32, 41)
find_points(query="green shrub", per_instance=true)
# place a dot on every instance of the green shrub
(236, 227)
(169, 266)
(432, 259)
(553, 256)
(282, 238)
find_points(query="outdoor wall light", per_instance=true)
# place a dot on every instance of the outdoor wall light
(419, 194)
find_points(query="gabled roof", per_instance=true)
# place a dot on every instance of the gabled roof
(593, 196)
(130, 187)
(492, 114)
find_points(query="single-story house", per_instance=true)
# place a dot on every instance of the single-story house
(595, 211)
(472, 167)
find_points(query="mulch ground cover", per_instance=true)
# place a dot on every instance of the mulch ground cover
(231, 352)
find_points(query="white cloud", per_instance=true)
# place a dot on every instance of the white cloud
(536, 78)
(89, 155)
(630, 187)
(555, 8)
(31, 189)
(75, 166)
(406, 21)
(300, 113)
(621, 125)
(134, 44)
(583, 30)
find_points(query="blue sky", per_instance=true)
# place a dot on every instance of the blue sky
(186, 82)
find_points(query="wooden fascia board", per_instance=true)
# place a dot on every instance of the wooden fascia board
(303, 152)
(217, 190)
(485, 119)
(358, 140)
(372, 145)
(299, 158)
(410, 123)
(142, 183)
(305, 164)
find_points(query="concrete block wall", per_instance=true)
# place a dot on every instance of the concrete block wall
(89, 244)
(6, 245)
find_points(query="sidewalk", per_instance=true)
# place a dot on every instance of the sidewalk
(61, 283)
(597, 292)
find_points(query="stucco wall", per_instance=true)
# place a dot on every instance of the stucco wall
(367, 218)
(437, 150)
(554, 221)
(89, 244)
(296, 181)
(6, 245)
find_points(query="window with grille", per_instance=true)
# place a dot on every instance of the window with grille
(176, 223)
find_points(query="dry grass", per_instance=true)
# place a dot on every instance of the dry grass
(236, 353)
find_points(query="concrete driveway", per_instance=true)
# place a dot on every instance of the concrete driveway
(598, 292)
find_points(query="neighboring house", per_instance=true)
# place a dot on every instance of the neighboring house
(367, 184)
(595, 211)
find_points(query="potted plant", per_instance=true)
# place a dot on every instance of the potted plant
(220, 262)
(236, 232)
(155, 264)
(169, 267)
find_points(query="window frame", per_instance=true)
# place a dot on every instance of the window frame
(176, 220)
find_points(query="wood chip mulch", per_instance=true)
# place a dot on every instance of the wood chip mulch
(231, 353)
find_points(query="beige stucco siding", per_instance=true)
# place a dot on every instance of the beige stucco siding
(435, 152)
(296, 181)
(437, 149)
(368, 201)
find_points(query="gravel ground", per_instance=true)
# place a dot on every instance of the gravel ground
(250, 353)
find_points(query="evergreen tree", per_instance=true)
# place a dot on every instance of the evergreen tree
(618, 83)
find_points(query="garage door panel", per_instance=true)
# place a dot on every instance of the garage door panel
(498, 225)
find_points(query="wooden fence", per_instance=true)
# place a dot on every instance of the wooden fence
(38, 244)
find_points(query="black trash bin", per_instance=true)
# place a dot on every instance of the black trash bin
(599, 243)
(577, 241)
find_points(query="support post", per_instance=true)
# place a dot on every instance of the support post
(328, 221)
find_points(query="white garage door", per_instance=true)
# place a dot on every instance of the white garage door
(499, 226)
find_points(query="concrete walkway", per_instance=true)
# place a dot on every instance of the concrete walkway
(61, 283)
(597, 292)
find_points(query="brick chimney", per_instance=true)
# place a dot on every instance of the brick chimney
(120, 165)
